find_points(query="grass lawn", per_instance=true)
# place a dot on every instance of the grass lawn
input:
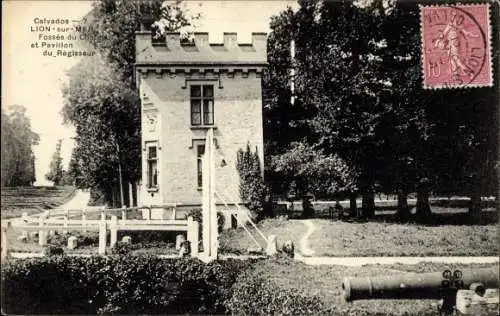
(16, 201)
(391, 239)
(338, 239)
(238, 239)
(325, 282)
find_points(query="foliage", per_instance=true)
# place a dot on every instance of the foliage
(253, 295)
(101, 100)
(117, 285)
(311, 171)
(106, 116)
(56, 172)
(82, 239)
(120, 248)
(51, 250)
(18, 160)
(359, 98)
(252, 187)
(198, 217)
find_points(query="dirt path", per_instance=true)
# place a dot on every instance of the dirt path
(304, 244)
(360, 261)
(79, 201)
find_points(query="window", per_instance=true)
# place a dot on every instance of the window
(200, 150)
(152, 162)
(202, 105)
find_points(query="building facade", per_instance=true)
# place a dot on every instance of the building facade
(187, 89)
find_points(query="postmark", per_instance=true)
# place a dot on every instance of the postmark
(456, 46)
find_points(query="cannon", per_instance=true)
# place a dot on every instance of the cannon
(435, 285)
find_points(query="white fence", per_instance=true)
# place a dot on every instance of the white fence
(64, 223)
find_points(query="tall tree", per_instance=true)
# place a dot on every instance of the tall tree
(359, 84)
(101, 101)
(18, 167)
(56, 171)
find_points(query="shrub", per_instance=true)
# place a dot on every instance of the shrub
(149, 236)
(197, 216)
(117, 285)
(252, 187)
(51, 250)
(253, 295)
(83, 239)
(121, 248)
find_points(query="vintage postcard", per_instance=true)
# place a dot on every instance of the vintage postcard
(289, 157)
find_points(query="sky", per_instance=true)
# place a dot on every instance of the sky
(33, 80)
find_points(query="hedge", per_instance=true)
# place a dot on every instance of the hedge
(145, 285)
(117, 285)
(254, 295)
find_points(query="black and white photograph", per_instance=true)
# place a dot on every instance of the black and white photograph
(259, 157)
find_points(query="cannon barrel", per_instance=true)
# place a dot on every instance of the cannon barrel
(416, 285)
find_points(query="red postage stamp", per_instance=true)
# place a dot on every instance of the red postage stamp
(456, 46)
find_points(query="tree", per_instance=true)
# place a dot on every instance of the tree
(337, 108)
(18, 160)
(360, 98)
(105, 114)
(56, 171)
(252, 188)
(101, 100)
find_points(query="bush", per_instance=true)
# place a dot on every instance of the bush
(256, 296)
(122, 248)
(149, 236)
(83, 239)
(197, 216)
(252, 187)
(51, 250)
(117, 285)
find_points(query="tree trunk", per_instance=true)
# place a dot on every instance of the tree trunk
(403, 213)
(475, 202)
(368, 205)
(423, 211)
(353, 207)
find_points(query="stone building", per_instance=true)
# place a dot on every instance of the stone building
(187, 89)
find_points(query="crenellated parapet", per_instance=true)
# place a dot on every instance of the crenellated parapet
(199, 55)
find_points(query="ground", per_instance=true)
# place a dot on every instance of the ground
(446, 236)
(336, 238)
(325, 282)
(16, 201)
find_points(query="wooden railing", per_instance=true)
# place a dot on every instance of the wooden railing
(64, 223)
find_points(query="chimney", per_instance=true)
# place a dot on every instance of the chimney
(230, 39)
(173, 40)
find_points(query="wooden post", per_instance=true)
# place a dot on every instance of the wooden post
(130, 194)
(84, 220)
(42, 234)
(209, 213)
(124, 213)
(66, 218)
(192, 235)
(25, 221)
(5, 243)
(174, 212)
(102, 237)
(114, 230)
(103, 215)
